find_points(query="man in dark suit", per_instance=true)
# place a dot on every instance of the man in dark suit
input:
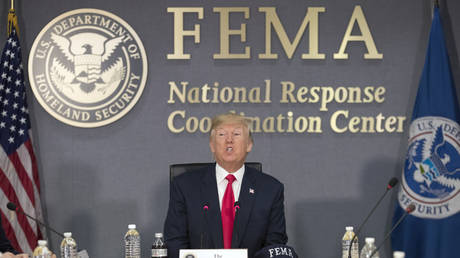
(201, 213)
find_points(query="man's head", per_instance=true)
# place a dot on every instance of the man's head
(230, 140)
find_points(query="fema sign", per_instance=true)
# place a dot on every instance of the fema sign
(431, 178)
(87, 68)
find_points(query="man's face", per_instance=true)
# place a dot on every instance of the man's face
(230, 144)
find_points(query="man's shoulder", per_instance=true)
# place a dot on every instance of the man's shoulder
(193, 175)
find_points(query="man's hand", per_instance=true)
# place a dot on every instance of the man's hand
(10, 255)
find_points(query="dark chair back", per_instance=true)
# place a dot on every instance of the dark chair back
(177, 169)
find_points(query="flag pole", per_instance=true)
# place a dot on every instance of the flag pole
(433, 6)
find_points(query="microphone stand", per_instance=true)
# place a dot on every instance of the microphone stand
(12, 206)
(365, 220)
(393, 181)
(204, 235)
(235, 224)
(409, 209)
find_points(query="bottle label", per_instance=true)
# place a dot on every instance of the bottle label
(159, 252)
(354, 248)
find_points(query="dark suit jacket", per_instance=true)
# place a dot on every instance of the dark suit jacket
(260, 220)
(5, 245)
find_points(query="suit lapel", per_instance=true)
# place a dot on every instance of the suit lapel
(209, 195)
(246, 199)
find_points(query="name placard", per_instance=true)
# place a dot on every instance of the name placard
(213, 253)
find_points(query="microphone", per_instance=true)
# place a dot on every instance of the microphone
(390, 185)
(204, 236)
(235, 224)
(11, 206)
(409, 209)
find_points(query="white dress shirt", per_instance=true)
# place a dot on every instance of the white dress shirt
(221, 173)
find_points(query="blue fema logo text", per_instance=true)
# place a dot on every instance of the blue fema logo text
(431, 176)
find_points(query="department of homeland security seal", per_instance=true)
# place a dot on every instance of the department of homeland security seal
(431, 178)
(87, 68)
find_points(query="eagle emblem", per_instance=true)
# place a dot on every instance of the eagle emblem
(432, 167)
(86, 67)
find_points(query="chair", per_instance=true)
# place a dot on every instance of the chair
(177, 169)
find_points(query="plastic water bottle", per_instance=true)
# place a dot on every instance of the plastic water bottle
(398, 254)
(159, 247)
(369, 248)
(68, 246)
(42, 251)
(346, 240)
(132, 242)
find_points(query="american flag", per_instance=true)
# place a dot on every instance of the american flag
(19, 181)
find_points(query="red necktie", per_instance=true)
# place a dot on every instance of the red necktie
(228, 212)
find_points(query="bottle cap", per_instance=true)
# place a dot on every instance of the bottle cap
(349, 228)
(158, 235)
(42, 242)
(67, 234)
(398, 254)
(132, 226)
(369, 240)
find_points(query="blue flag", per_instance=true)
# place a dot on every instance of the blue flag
(431, 177)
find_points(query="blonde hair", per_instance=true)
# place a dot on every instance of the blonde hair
(230, 118)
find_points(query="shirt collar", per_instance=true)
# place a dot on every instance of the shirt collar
(221, 173)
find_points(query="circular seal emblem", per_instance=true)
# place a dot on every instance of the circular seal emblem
(87, 68)
(431, 178)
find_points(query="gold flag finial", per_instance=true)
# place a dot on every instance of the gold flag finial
(12, 20)
(436, 3)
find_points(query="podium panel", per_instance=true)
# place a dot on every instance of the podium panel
(213, 253)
